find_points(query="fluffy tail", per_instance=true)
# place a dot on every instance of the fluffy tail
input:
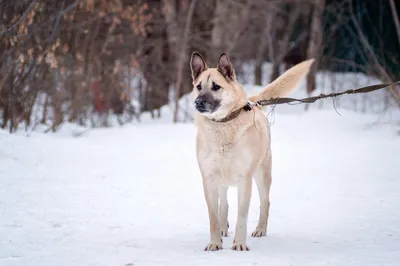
(284, 84)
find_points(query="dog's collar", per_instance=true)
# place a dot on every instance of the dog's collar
(236, 113)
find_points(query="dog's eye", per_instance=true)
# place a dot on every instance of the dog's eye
(215, 87)
(199, 87)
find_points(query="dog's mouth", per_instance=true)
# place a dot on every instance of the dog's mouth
(202, 110)
(208, 108)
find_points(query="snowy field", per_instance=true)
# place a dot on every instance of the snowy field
(133, 195)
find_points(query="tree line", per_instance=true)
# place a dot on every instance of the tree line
(79, 61)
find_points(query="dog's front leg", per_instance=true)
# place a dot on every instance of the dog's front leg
(211, 195)
(244, 196)
(223, 210)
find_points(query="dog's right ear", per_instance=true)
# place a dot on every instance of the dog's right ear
(197, 65)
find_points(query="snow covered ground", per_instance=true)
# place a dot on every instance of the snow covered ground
(132, 195)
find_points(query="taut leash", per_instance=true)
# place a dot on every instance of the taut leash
(365, 89)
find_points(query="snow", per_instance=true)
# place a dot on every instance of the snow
(132, 194)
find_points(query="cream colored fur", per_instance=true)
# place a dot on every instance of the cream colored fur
(285, 84)
(233, 152)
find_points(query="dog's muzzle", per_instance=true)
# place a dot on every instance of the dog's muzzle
(206, 103)
(200, 104)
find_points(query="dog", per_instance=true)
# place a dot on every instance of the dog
(233, 143)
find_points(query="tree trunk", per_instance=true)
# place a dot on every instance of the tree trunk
(258, 72)
(169, 9)
(395, 19)
(260, 55)
(275, 72)
(44, 114)
(218, 30)
(279, 46)
(314, 47)
(182, 57)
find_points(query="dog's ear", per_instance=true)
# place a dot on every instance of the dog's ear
(225, 67)
(197, 65)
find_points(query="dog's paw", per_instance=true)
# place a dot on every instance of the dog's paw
(259, 233)
(224, 229)
(224, 232)
(213, 247)
(240, 247)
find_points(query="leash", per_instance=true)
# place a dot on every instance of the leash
(365, 89)
(275, 101)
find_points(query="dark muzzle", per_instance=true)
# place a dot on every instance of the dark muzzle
(206, 103)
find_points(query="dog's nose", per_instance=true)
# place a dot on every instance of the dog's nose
(200, 103)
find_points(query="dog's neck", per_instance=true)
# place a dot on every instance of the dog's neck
(233, 115)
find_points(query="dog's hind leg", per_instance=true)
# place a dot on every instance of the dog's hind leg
(223, 210)
(263, 181)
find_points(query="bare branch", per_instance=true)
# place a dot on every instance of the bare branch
(16, 23)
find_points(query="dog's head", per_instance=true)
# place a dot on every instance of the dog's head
(215, 90)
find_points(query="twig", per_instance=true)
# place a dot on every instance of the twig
(72, 6)
(20, 19)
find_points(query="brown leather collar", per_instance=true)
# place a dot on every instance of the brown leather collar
(234, 114)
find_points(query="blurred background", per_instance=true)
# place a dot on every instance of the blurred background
(95, 63)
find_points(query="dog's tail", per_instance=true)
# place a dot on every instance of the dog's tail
(284, 84)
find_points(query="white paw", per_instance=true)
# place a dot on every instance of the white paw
(240, 247)
(213, 247)
(259, 233)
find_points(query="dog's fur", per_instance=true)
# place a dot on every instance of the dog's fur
(230, 153)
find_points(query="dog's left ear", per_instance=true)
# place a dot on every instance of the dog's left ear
(225, 67)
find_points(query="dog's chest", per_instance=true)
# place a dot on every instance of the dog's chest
(226, 159)
(234, 165)
(224, 143)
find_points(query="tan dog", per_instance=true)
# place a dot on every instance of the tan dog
(233, 143)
